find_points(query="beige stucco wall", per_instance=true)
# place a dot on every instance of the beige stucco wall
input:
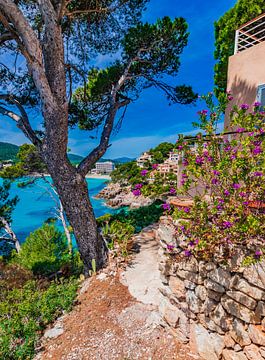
(246, 71)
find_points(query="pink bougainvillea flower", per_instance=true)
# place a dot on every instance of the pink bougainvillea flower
(185, 162)
(187, 253)
(172, 191)
(258, 254)
(227, 224)
(138, 186)
(244, 106)
(136, 192)
(199, 160)
(215, 181)
(240, 130)
(236, 186)
(166, 206)
(226, 192)
(154, 166)
(230, 98)
(257, 150)
(216, 172)
(186, 210)
(144, 172)
(257, 104)
(170, 247)
(258, 173)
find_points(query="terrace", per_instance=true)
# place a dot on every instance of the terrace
(250, 34)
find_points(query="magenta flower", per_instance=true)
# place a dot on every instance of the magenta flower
(187, 253)
(242, 194)
(240, 130)
(236, 186)
(199, 160)
(172, 191)
(215, 181)
(170, 247)
(230, 97)
(136, 192)
(258, 173)
(226, 193)
(138, 186)
(154, 166)
(166, 206)
(144, 172)
(216, 172)
(244, 106)
(227, 224)
(246, 203)
(221, 201)
(180, 147)
(258, 254)
(257, 104)
(185, 162)
(186, 210)
(203, 112)
(257, 150)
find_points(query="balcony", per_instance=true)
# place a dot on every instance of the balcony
(250, 34)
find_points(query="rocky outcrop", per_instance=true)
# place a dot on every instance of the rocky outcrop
(117, 196)
(222, 309)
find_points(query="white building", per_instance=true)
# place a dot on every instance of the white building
(173, 157)
(104, 167)
(143, 159)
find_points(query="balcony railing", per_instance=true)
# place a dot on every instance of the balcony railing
(250, 34)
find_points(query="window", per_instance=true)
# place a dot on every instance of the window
(261, 94)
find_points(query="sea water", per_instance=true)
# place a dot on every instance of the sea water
(37, 203)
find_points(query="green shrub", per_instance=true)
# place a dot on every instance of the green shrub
(45, 251)
(25, 312)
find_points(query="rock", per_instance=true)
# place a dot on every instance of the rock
(201, 292)
(229, 341)
(208, 306)
(262, 352)
(243, 299)
(54, 332)
(102, 277)
(232, 355)
(250, 290)
(177, 287)
(218, 344)
(256, 334)
(209, 324)
(202, 343)
(214, 295)
(255, 274)
(184, 324)
(260, 311)
(212, 285)
(237, 348)
(171, 315)
(239, 333)
(190, 265)
(187, 275)
(166, 231)
(194, 303)
(189, 285)
(238, 310)
(263, 324)
(252, 352)
(220, 317)
(221, 277)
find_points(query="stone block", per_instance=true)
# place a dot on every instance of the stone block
(243, 299)
(252, 352)
(201, 292)
(255, 275)
(229, 341)
(214, 295)
(212, 285)
(239, 334)
(260, 310)
(177, 287)
(190, 265)
(202, 343)
(243, 286)
(189, 285)
(221, 277)
(220, 317)
(194, 303)
(238, 310)
(256, 334)
(232, 355)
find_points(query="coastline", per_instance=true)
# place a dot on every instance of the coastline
(98, 176)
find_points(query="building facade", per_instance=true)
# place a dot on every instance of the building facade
(104, 167)
(143, 159)
(246, 71)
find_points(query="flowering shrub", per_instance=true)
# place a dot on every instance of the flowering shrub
(225, 176)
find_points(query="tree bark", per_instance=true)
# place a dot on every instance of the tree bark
(73, 193)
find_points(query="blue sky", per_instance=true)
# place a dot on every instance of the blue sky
(150, 120)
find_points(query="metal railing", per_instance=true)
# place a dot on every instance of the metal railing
(250, 34)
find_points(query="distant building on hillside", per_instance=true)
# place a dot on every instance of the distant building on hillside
(246, 74)
(173, 157)
(143, 159)
(104, 167)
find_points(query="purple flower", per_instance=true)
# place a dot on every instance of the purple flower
(258, 254)
(136, 192)
(180, 147)
(227, 224)
(166, 206)
(245, 203)
(216, 172)
(230, 97)
(226, 193)
(170, 247)
(191, 244)
(215, 181)
(236, 186)
(228, 148)
(244, 106)
(187, 253)
(203, 112)
(185, 162)
(186, 210)
(257, 104)
(242, 194)
(258, 173)
(154, 166)
(257, 150)
(199, 160)
(144, 172)
(241, 130)
(233, 157)
(221, 201)
(172, 191)
(182, 227)
(138, 186)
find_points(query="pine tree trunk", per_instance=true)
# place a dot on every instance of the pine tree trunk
(73, 192)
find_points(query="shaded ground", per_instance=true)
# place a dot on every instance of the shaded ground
(110, 324)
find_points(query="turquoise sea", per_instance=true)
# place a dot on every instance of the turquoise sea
(36, 205)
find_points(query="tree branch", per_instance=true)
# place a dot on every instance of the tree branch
(22, 121)
(7, 36)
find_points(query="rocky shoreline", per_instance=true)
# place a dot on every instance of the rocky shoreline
(117, 196)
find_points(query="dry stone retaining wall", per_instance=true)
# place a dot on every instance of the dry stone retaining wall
(219, 311)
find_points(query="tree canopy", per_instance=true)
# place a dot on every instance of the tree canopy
(225, 27)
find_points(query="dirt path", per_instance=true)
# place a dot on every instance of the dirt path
(109, 323)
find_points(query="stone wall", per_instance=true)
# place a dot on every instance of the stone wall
(220, 311)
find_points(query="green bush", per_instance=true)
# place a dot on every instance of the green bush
(24, 313)
(45, 251)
